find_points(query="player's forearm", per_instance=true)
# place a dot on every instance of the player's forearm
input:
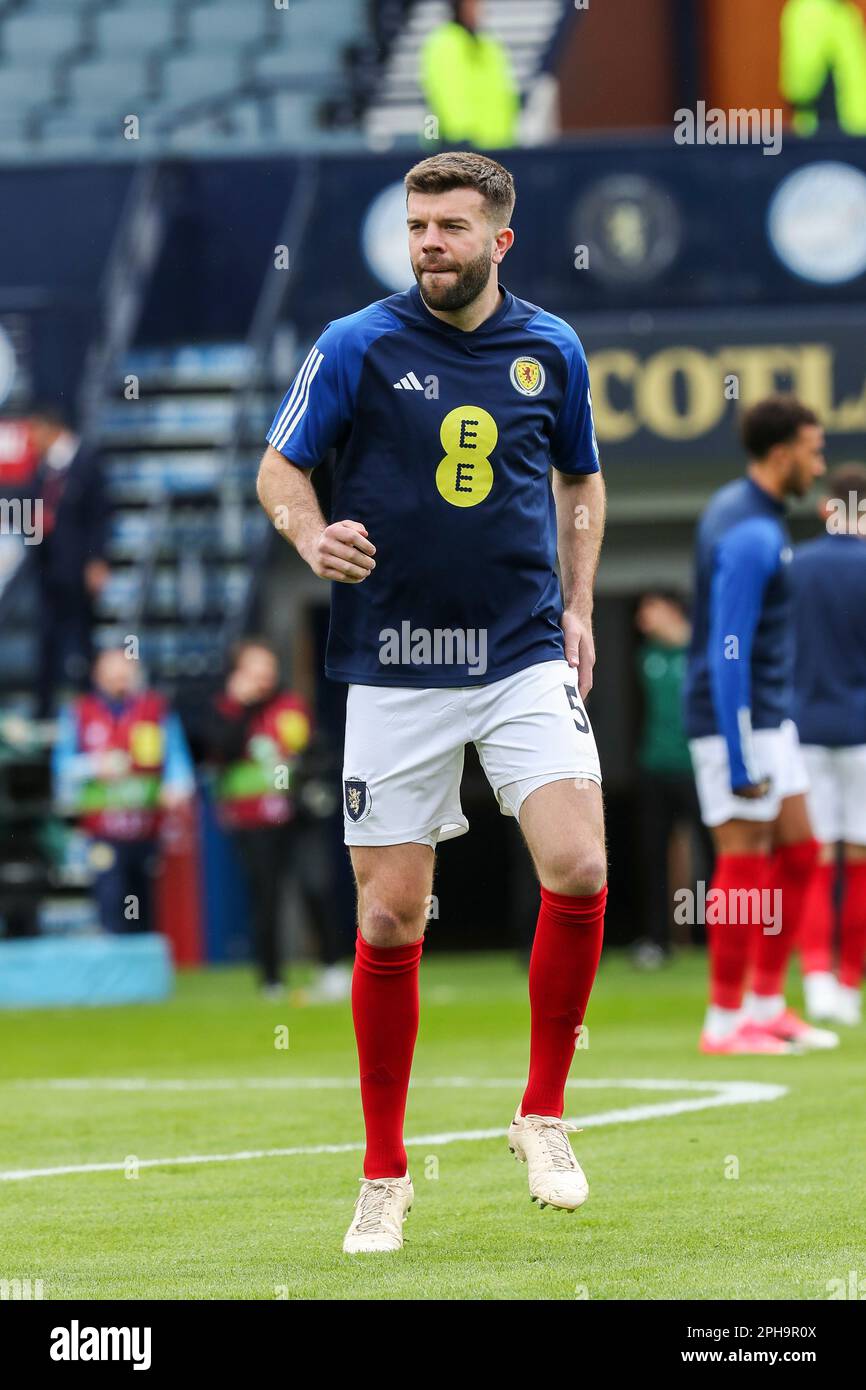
(287, 495)
(731, 695)
(729, 661)
(580, 513)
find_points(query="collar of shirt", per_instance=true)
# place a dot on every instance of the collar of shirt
(775, 502)
(488, 326)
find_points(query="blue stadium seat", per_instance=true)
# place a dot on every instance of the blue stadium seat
(47, 7)
(294, 118)
(238, 122)
(107, 83)
(72, 131)
(23, 86)
(130, 31)
(224, 26)
(292, 63)
(42, 36)
(13, 129)
(187, 78)
(333, 25)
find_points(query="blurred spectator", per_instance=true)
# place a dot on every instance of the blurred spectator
(666, 790)
(70, 560)
(255, 733)
(120, 760)
(467, 82)
(823, 64)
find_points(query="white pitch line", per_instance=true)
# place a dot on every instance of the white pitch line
(724, 1093)
(345, 1083)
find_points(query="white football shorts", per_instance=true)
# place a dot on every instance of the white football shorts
(404, 751)
(776, 754)
(837, 793)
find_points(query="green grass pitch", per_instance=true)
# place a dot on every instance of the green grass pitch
(750, 1200)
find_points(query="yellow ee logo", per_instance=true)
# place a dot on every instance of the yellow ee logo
(146, 744)
(293, 728)
(465, 475)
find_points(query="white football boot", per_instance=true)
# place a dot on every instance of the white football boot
(381, 1209)
(332, 987)
(849, 1008)
(556, 1179)
(821, 994)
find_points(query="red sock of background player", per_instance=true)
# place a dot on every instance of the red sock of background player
(853, 945)
(816, 931)
(565, 956)
(385, 1014)
(792, 871)
(730, 942)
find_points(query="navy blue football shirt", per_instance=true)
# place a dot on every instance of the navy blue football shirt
(740, 669)
(829, 579)
(444, 442)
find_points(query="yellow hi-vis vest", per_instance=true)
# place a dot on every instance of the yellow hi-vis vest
(823, 39)
(468, 85)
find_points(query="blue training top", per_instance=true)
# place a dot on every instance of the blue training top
(740, 667)
(444, 443)
(829, 583)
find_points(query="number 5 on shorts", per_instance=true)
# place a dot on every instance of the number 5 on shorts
(580, 717)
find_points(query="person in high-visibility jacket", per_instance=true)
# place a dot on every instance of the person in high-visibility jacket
(254, 732)
(823, 64)
(120, 762)
(468, 84)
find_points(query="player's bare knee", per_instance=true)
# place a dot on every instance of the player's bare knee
(577, 875)
(391, 924)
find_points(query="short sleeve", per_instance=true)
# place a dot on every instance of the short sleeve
(574, 446)
(314, 411)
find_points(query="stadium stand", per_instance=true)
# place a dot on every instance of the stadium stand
(179, 567)
(396, 111)
(218, 74)
(204, 71)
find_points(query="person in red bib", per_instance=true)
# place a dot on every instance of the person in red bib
(254, 736)
(121, 759)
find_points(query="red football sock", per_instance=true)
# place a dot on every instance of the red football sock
(729, 941)
(792, 870)
(816, 931)
(853, 946)
(385, 1013)
(565, 956)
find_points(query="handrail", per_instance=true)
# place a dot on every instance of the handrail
(168, 121)
(131, 262)
(266, 316)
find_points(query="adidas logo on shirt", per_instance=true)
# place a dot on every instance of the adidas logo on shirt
(409, 382)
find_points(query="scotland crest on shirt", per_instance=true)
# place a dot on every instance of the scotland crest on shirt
(357, 798)
(527, 376)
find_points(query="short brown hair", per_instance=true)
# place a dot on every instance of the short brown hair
(776, 420)
(848, 477)
(466, 169)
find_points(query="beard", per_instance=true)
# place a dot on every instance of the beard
(799, 484)
(470, 281)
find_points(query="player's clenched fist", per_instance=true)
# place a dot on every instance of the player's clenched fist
(343, 552)
(579, 650)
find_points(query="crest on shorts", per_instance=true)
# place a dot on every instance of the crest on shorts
(359, 803)
(527, 375)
